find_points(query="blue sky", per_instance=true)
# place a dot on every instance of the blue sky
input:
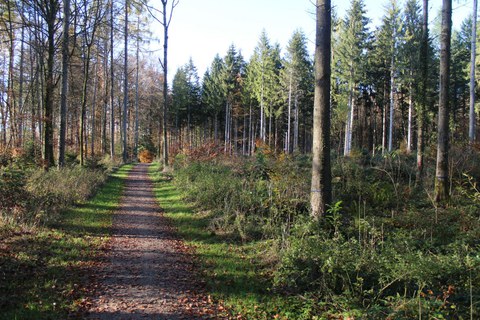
(202, 28)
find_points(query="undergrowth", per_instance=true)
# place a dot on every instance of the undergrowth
(384, 250)
(44, 262)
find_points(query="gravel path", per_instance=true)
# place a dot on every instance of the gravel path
(148, 273)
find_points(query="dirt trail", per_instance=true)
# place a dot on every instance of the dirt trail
(148, 273)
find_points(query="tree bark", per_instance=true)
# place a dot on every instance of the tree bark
(471, 128)
(112, 87)
(125, 87)
(64, 92)
(51, 9)
(135, 148)
(392, 102)
(441, 174)
(423, 104)
(321, 190)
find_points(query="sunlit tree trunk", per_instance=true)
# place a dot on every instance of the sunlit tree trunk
(125, 88)
(64, 92)
(392, 103)
(441, 174)
(135, 148)
(321, 191)
(94, 108)
(410, 117)
(112, 86)
(423, 103)
(349, 124)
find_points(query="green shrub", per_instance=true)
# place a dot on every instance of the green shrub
(380, 277)
(37, 197)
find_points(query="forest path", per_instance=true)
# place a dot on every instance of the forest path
(148, 272)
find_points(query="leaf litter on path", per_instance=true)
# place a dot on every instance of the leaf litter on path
(147, 272)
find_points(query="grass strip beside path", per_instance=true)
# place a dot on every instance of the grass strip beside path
(42, 269)
(235, 272)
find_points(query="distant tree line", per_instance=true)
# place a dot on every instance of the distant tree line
(71, 84)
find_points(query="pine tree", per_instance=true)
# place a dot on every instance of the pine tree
(297, 80)
(410, 60)
(351, 57)
(265, 67)
(213, 93)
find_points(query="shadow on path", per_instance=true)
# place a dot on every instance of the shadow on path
(148, 272)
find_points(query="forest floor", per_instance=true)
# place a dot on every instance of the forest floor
(147, 271)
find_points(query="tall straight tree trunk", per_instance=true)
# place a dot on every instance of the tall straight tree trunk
(63, 95)
(441, 173)
(244, 134)
(83, 110)
(135, 148)
(295, 125)
(125, 87)
(227, 128)
(21, 99)
(48, 157)
(105, 100)
(471, 127)
(392, 103)
(321, 189)
(89, 38)
(287, 137)
(262, 118)
(423, 104)
(250, 130)
(166, 23)
(410, 117)
(11, 103)
(94, 107)
(34, 90)
(349, 123)
(112, 86)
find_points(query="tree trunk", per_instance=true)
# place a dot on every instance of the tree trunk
(21, 99)
(441, 174)
(349, 123)
(321, 190)
(112, 86)
(94, 107)
(392, 104)
(471, 127)
(423, 104)
(125, 87)
(63, 95)
(166, 24)
(48, 157)
(410, 116)
(11, 103)
(295, 125)
(287, 137)
(105, 100)
(135, 148)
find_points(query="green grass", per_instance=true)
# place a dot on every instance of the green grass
(237, 274)
(42, 270)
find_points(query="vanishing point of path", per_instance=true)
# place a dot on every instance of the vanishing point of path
(148, 272)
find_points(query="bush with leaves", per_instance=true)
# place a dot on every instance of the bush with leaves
(33, 197)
